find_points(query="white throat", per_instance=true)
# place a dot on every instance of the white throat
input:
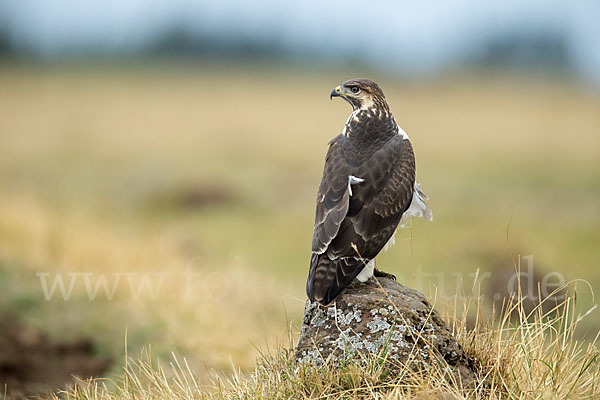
(367, 104)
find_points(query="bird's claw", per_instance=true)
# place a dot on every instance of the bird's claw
(380, 274)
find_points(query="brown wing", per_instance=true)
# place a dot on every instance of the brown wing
(332, 197)
(378, 203)
(363, 222)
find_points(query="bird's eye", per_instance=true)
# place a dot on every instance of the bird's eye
(355, 89)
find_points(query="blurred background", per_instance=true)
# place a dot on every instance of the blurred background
(159, 161)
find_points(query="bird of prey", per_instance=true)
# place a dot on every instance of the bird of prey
(368, 188)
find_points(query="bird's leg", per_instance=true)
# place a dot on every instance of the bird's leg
(380, 274)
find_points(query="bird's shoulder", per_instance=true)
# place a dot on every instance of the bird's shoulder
(388, 176)
(386, 156)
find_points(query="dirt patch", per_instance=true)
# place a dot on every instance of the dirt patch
(193, 198)
(31, 364)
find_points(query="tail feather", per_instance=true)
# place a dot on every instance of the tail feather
(327, 278)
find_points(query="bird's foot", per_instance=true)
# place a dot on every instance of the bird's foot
(380, 274)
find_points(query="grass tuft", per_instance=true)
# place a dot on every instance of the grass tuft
(535, 356)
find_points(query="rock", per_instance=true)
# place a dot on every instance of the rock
(397, 323)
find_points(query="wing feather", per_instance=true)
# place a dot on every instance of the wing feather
(332, 198)
(378, 204)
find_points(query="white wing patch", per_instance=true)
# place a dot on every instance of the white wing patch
(400, 130)
(402, 133)
(418, 207)
(352, 180)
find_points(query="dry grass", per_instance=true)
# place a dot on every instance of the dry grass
(538, 357)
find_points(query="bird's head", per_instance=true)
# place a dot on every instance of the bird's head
(361, 93)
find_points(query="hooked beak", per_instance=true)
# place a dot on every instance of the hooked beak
(337, 92)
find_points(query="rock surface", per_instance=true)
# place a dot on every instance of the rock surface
(382, 319)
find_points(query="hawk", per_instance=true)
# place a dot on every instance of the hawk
(368, 188)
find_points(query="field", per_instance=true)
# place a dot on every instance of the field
(189, 192)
